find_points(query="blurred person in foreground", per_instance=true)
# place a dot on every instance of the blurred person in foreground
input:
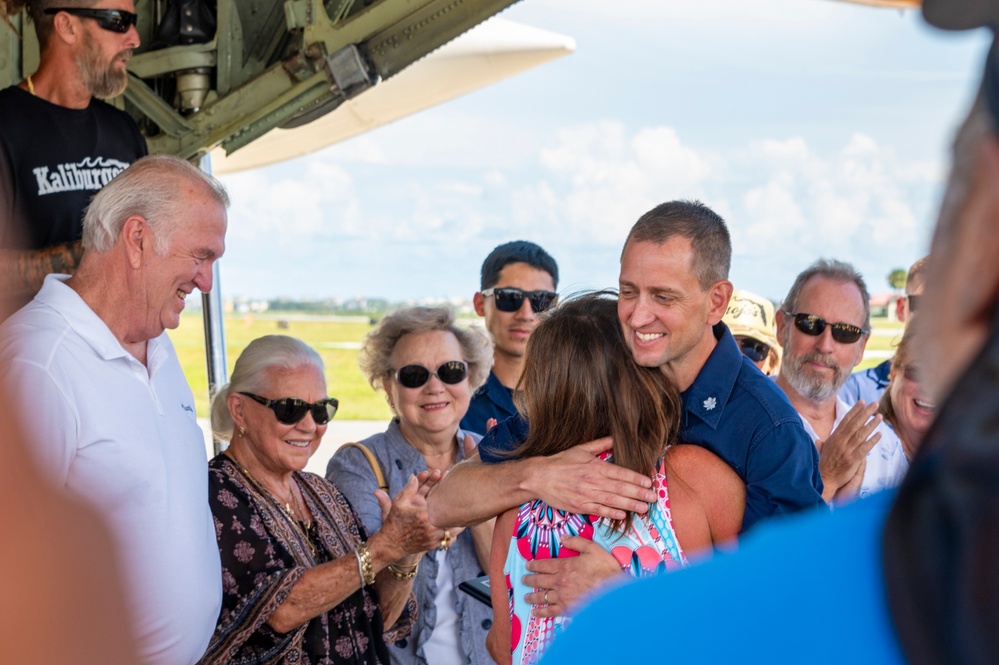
(751, 320)
(429, 368)
(823, 326)
(581, 383)
(905, 406)
(50, 613)
(112, 415)
(906, 576)
(869, 384)
(303, 581)
(59, 142)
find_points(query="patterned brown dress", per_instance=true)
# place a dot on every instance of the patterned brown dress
(263, 556)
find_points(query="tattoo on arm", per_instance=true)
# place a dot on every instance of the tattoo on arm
(24, 271)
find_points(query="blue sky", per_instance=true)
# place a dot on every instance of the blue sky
(816, 128)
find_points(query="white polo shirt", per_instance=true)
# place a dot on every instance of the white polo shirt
(886, 462)
(125, 438)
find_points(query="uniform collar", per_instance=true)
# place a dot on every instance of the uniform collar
(708, 396)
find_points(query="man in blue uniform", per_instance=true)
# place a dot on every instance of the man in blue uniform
(674, 290)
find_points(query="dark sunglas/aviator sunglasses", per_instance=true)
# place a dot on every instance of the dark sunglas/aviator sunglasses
(115, 20)
(844, 333)
(753, 349)
(416, 376)
(289, 411)
(509, 299)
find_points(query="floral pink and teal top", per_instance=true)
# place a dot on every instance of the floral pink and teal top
(648, 547)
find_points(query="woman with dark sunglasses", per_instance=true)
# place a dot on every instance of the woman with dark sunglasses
(582, 383)
(429, 368)
(303, 580)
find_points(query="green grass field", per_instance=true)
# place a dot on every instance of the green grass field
(358, 401)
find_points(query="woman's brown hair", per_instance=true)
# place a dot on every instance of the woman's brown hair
(581, 383)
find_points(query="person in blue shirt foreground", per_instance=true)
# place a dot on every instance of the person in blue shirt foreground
(674, 290)
(902, 577)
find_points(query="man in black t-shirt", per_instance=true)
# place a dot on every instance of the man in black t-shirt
(58, 144)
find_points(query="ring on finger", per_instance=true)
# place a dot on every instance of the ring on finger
(546, 596)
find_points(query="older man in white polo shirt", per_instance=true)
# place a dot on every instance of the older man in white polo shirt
(108, 409)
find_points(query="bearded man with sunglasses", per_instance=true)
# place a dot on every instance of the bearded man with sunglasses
(58, 144)
(823, 326)
(518, 282)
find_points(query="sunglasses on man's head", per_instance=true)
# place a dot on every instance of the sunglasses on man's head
(509, 299)
(289, 411)
(844, 333)
(115, 20)
(416, 376)
(753, 349)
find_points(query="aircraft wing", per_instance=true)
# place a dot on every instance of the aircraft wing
(224, 79)
(490, 52)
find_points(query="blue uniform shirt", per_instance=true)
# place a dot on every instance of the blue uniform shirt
(809, 589)
(739, 414)
(867, 384)
(492, 400)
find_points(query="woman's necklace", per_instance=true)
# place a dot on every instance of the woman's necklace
(302, 526)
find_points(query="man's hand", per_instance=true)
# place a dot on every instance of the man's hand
(561, 583)
(577, 481)
(841, 455)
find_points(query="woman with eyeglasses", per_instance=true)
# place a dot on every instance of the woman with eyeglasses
(303, 580)
(429, 368)
(582, 383)
(905, 405)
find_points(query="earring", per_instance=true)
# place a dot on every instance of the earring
(388, 399)
(242, 431)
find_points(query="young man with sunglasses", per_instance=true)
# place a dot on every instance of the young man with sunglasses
(518, 282)
(112, 418)
(58, 144)
(869, 384)
(823, 326)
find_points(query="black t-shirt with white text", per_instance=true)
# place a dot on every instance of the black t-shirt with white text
(53, 160)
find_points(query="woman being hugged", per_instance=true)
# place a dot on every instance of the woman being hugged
(581, 383)
(428, 368)
(302, 581)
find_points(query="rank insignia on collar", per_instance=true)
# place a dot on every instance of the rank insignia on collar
(710, 404)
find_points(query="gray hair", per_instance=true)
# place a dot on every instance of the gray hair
(837, 271)
(148, 188)
(375, 358)
(250, 374)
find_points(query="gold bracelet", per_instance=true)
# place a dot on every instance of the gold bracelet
(364, 566)
(403, 574)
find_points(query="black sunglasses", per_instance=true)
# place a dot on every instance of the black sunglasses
(844, 333)
(289, 410)
(509, 299)
(753, 349)
(913, 302)
(416, 376)
(115, 20)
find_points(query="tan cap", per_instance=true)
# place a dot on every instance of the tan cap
(750, 315)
